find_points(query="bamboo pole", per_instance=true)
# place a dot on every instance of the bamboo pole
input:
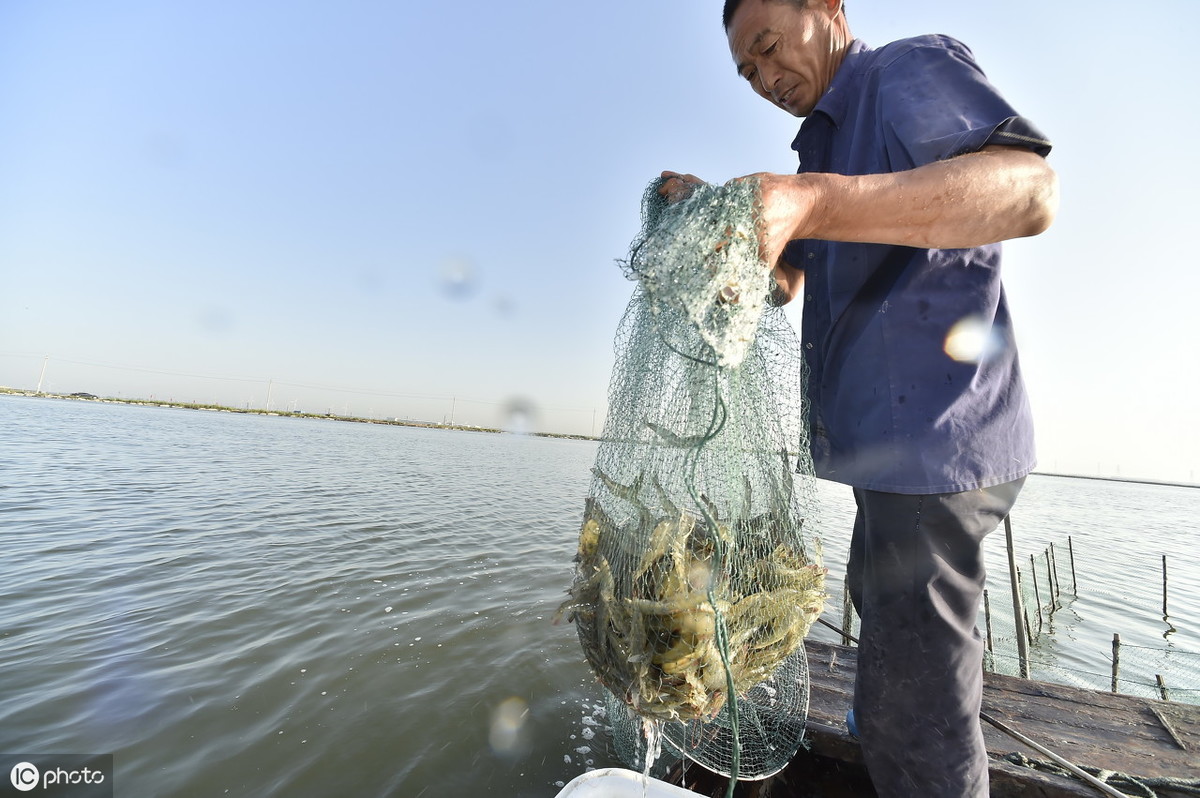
(1071, 551)
(1116, 661)
(828, 625)
(1028, 636)
(1036, 593)
(847, 612)
(1083, 774)
(987, 617)
(1164, 586)
(1053, 566)
(1050, 583)
(1054, 569)
(1014, 577)
(1166, 724)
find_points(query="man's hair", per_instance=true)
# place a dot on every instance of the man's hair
(731, 7)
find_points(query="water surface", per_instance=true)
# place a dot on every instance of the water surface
(253, 605)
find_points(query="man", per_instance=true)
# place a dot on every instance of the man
(912, 168)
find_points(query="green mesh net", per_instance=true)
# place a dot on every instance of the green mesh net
(698, 572)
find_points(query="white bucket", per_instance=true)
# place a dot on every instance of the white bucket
(620, 783)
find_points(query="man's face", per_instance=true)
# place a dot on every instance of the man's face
(788, 54)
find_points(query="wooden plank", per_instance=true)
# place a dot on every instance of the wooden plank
(1089, 728)
(1096, 729)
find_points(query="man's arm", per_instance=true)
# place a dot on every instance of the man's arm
(979, 198)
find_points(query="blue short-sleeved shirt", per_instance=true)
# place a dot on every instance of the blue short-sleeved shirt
(914, 385)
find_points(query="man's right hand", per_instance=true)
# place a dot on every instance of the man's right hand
(677, 187)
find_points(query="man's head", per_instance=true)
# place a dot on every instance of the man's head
(788, 50)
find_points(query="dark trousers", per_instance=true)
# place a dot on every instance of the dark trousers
(916, 578)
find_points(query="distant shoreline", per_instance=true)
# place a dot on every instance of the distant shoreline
(215, 408)
(1137, 480)
(395, 422)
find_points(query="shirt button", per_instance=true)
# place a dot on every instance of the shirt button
(808, 345)
(808, 297)
(812, 255)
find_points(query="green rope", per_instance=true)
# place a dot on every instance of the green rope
(721, 635)
(1134, 786)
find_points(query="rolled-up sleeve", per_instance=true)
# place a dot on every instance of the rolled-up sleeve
(939, 104)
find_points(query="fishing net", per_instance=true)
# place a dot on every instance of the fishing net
(698, 572)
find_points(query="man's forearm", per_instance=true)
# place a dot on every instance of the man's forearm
(974, 199)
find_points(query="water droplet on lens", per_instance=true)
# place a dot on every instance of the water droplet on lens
(506, 734)
(457, 278)
(970, 340)
(519, 415)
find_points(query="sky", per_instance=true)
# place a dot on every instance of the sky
(414, 210)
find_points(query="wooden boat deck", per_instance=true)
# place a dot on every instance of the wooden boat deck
(1140, 737)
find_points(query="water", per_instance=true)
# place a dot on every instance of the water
(1119, 533)
(250, 605)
